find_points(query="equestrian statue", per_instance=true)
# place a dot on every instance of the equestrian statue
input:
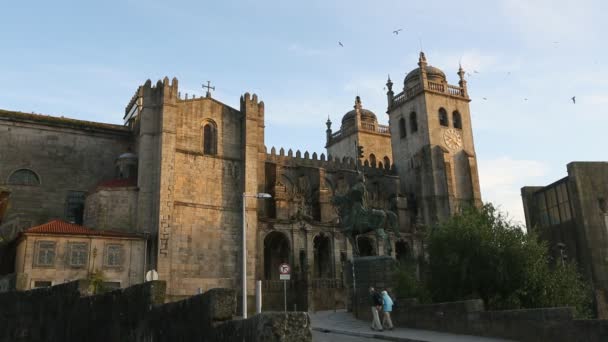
(356, 218)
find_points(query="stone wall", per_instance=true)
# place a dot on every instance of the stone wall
(376, 271)
(67, 313)
(112, 209)
(469, 317)
(129, 272)
(12, 282)
(65, 154)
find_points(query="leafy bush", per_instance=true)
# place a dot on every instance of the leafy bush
(481, 254)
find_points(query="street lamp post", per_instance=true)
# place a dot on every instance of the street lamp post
(244, 261)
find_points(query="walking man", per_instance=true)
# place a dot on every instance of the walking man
(376, 300)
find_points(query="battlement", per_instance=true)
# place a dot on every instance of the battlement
(320, 161)
(250, 102)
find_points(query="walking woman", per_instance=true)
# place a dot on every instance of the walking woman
(387, 307)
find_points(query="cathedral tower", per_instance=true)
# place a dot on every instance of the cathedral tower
(360, 127)
(432, 142)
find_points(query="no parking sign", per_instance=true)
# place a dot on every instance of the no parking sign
(284, 271)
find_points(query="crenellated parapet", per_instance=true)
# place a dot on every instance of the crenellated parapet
(298, 158)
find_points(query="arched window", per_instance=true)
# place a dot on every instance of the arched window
(276, 252)
(23, 177)
(443, 117)
(372, 160)
(413, 122)
(209, 139)
(387, 162)
(457, 120)
(322, 253)
(402, 130)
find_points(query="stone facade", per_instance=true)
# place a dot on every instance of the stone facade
(177, 169)
(46, 255)
(571, 214)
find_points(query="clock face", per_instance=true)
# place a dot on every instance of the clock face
(452, 139)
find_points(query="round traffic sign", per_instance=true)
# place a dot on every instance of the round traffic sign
(284, 268)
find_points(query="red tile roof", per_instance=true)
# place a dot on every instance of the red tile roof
(118, 183)
(61, 227)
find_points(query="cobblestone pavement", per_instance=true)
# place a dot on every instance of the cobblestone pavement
(343, 323)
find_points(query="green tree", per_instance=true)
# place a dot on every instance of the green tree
(480, 253)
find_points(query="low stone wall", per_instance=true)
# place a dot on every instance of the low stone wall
(376, 271)
(67, 313)
(469, 317)
(12, 282)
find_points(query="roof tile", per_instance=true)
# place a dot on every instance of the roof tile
(61, 227)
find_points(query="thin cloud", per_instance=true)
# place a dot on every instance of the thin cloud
(501, 179)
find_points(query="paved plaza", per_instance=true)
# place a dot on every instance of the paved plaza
(329, 324)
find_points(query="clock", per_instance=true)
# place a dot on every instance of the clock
(452, 139)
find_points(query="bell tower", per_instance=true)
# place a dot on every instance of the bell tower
(432, 142)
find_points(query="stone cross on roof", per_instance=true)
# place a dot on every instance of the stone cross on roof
(209, 87)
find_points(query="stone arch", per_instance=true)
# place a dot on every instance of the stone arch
(23, 177)
(413, 122)
(322, 256)
(387, 162)
(457, 119)
(366, 246)
(443, 117)
(372, 160)
(210, 134)
(402, 130)
(276, 252)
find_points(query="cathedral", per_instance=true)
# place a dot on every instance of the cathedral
(182, 173)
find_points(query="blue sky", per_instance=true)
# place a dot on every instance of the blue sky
(84, 60)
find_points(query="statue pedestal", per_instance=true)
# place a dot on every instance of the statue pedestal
(363, 272)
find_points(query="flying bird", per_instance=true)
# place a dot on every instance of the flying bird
(525, 99)
(475, 71)
(485, 98)
(396, 32)
(573, 99)
(340, 43)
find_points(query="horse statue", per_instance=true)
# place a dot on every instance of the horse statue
(356, 218)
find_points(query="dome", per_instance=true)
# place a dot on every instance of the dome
(366, 115)
(431, 72)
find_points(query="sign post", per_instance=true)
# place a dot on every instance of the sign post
(284, 275)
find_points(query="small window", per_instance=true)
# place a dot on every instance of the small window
(74, 207)
(45, 255)
(79, 252)
(413, 122)
(402, 130)
(23, 177)
(443, 117)
(42, 283)
(457, 120)
(113, 256)
(209, 139)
